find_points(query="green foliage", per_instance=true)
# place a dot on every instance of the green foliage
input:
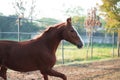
(78, 23)
(112, 11)
(6, 23)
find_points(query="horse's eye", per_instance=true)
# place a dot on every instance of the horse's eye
(71, 30)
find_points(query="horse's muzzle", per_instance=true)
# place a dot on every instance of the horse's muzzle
(80, 45)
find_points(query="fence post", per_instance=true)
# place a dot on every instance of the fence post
(118, 44)
(62, 51)
(19, 29)
(118, 48)
(92, 44)
(113, 42)
(88, 45)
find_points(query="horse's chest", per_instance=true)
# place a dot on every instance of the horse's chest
(53, 61)
(48, 60)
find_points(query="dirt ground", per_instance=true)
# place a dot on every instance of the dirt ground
(100, 70)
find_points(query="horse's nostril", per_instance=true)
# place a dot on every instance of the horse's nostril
(79, 46)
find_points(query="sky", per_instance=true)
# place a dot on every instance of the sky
(50, 8)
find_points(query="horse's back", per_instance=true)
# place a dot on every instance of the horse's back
(5, 46)
(6, 42)
(24, 53)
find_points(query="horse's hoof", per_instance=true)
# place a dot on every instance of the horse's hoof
(1, 78)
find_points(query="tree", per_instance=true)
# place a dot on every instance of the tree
(112, 15)
(74, 11)
(19, 7)
(25, 8)
(32, 10)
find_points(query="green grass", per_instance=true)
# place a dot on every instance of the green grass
(73, 54)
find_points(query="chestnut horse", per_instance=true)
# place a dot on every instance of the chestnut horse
(39, 53)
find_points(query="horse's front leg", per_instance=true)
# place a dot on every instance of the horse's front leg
(52, 72)
(3, 71)
(45, 77)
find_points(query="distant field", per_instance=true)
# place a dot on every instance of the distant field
(72, 53)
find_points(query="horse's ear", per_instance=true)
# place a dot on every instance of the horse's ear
(69, 20)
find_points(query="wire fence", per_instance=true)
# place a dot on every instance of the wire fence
(100, 48)
(103, 44)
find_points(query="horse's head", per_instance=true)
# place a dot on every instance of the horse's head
(70, 34)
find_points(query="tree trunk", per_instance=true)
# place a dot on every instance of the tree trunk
(118, 43)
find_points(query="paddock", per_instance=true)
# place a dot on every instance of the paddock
(98, 70)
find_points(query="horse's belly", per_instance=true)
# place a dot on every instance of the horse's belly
(22, 65)
(23, 68)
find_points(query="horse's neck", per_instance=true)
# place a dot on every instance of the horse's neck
(51, 41)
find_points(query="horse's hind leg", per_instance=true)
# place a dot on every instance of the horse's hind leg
(55, 73)
(3, 71)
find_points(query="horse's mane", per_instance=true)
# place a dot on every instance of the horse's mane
(53, 27)
(49, 29)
